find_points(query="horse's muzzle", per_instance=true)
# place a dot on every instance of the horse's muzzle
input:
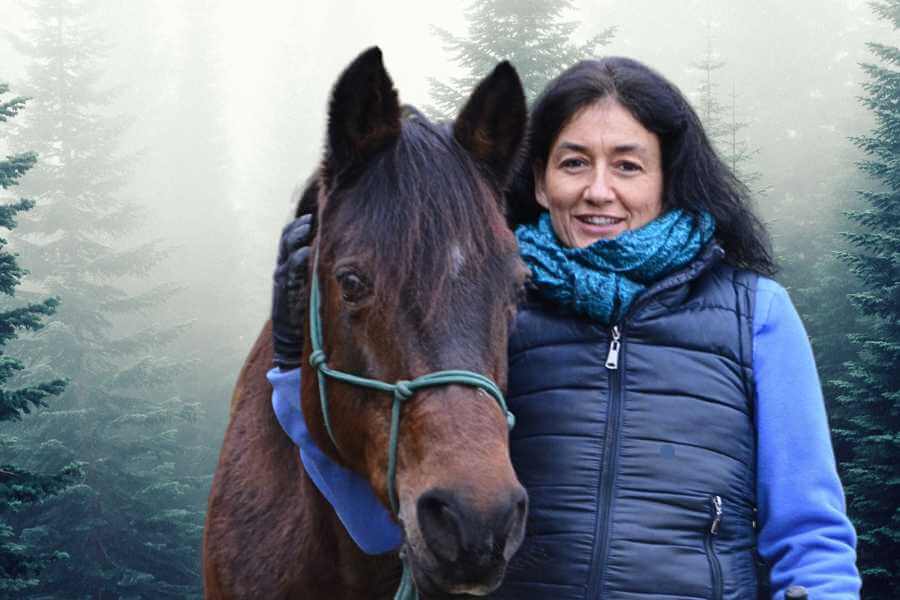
(470, 543)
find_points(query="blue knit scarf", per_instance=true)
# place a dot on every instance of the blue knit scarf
(602, 280)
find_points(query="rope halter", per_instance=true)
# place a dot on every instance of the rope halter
(402, 390)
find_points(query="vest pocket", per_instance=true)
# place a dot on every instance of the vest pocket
(715, 568)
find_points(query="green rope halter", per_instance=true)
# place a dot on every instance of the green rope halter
(402, 391)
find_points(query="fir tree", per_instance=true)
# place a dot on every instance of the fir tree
(21, 559)
(869, 400)
(805, 241)
(201, 218)
(133, 525)
(709, 108)
(721, 122)
(529, 33)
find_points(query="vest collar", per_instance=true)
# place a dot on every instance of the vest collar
(711, 255)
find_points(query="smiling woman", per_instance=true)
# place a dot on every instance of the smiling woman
(603, 177)
(671, 472)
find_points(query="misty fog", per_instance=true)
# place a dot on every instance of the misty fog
(218, 110)
(244, 87)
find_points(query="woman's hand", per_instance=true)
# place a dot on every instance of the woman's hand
(288, 283)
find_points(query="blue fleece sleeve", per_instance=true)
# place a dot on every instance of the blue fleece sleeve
(805, 535)
(364, 517)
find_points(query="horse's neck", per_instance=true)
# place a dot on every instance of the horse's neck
(330, 558)
(356, 574)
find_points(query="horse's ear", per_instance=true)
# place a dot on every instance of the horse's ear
(492, 123)
(364, 114)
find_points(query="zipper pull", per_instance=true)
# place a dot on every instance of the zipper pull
(612, 359)
(717, 517)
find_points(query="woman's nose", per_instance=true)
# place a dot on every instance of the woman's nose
(600, 190)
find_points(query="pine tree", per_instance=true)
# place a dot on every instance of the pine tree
(721, 122)
(21, 559)
(869, 400)
(529, 33)
(133, 525)
(709, 108)
(201, 217)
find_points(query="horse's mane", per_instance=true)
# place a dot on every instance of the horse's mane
(418, 203)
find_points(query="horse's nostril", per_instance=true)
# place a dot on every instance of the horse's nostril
(515, 528)
(472, 539)
(520, 513)
(520, 499)
(515, 516)
(440, 523)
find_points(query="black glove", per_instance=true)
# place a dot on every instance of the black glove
(288, 316)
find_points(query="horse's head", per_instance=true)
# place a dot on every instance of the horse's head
(418, 273)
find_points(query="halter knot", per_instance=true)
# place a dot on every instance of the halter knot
(402, 390)
(317, 358)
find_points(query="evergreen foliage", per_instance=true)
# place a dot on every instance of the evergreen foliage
(721, 123)
(198, 214)
(869, 399)
(133, 525)
(529, 33)
(805, 239)
(21, 560)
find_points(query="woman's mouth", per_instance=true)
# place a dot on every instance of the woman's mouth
(598, 219)
(599, 226)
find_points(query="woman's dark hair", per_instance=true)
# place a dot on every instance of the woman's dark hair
(694, 177)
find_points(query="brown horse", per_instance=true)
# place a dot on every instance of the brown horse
(418, 273)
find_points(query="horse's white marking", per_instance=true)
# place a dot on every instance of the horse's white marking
(457, 259)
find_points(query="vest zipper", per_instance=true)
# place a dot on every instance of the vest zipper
(612, 359)
(715, 567)
(610, 450)
(611, 441)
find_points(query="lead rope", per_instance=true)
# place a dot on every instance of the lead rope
(402, 391)
(407, 590)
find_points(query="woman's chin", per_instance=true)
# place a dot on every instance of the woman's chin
(584, 234)
(584, 240)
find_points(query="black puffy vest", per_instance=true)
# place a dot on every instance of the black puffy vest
(640, 468)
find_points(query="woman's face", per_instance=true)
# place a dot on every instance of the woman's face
(603, 176)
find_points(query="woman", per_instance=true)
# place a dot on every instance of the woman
(671, 430)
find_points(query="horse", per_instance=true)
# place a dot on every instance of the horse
(418, 272)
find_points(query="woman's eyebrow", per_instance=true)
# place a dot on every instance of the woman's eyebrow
(572, 146)
(638, 149)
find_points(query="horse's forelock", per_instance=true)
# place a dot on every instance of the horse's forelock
(416, 204)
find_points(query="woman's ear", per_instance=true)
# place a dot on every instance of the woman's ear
(540, 194)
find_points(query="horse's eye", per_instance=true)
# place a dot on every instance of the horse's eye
(353, 287)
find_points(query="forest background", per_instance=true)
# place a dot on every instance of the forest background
(161, 143)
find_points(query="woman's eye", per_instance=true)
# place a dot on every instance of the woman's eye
(353, 287)
(629, 167)
(573, 163)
